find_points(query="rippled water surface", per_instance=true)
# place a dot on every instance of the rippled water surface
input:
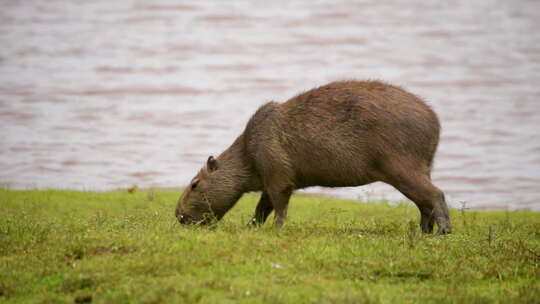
(104, 94)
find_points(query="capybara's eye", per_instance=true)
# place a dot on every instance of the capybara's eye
(194, 184)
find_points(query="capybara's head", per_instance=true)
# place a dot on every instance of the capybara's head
(208, 197)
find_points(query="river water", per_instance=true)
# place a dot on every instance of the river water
(100, 95)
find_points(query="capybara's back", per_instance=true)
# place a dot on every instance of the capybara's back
(346, 134)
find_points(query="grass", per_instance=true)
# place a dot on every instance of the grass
(119, 247)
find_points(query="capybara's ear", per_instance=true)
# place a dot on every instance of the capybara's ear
(211, 164)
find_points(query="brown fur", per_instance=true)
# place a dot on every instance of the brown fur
(347, 133)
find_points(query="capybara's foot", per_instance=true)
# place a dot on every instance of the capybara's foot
(426, 228)
(444, 226)
(426, 223)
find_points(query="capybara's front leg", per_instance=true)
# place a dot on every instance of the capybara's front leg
(262, 211)
(280, 202)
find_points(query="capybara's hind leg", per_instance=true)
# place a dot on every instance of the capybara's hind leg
(262, 211)
(428, 198)
(443, 222)
(427, 219)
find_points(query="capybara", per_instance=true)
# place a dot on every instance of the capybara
(342, 134)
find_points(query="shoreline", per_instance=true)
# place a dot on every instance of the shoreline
(299, 193)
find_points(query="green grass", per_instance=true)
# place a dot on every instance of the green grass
(116, 247)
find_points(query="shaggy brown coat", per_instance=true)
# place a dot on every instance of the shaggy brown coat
(347, 133)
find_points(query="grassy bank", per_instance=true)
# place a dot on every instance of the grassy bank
(118, 247)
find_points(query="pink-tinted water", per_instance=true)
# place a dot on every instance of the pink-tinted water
(104, 94)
